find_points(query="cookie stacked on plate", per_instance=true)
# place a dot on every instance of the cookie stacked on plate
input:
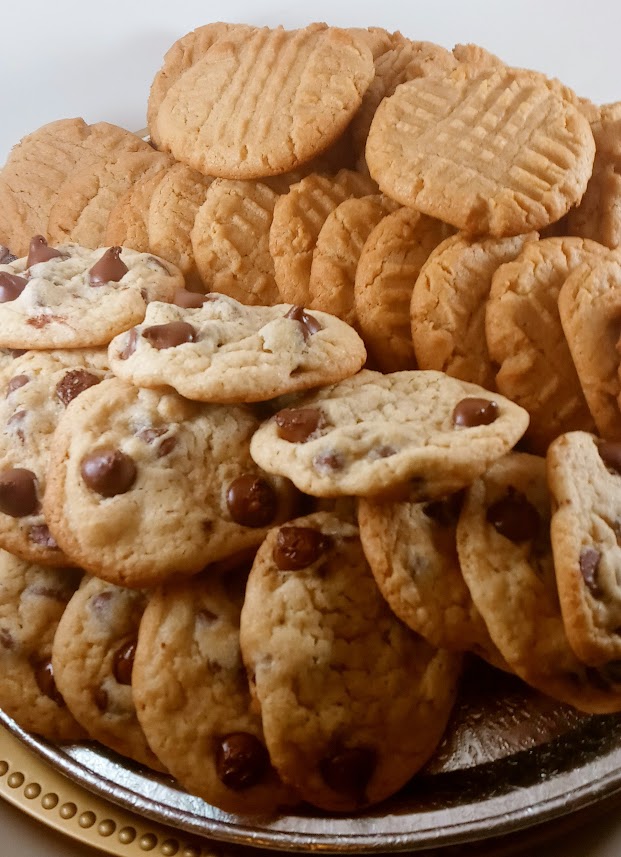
(285, 551)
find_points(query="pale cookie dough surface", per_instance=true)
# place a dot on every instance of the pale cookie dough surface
(300, 90)
(238, 353)
(353, 703)
(585, 485)
(589, 304)
(32, 600)
(92, 657)
(525, 337)
(495, 151)
(40, 387)
(503, 538)
(192, 695)
(175, 502)
(373, 432)
(59, 308)
(449, 302)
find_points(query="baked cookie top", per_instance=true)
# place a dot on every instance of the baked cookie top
(73, 297)
(372, 432)
(223, 351)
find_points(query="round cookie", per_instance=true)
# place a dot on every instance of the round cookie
(476, 55)
(353, 703)
(388, 267)
(224, 351)
(144, 485)
(39, 388)
(193, 698)
(298, 218)
(336, 256)
(373, 432)
(299, 90)
(230, 241)
(77, 298)
(127, 224)
(32, 601)
(449, 302)
(496, 151)
(503, 539)
(92, 655)
(525, 337)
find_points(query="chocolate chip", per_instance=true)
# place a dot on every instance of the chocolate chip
(150, 436)
(445, 512)
(18, 492)
(16, 423)
(123, 663)
(328, 462)
(589, 562)
(73, 383)
(16, 382)
(188, 300)
(41, 321)
(307, 321)
(169, 335)
(6, 257)
(108, 472)
(384, 450)
(348, 771)
(100, 603)
(206, 616)
(100, 698)
(40, 535)
(610, 454)
(11, 287)
(299, 547)
(130, 345)
(297, 424)
(241, 761)
(110, 268)
(475, 412)
(6, 639)
(44, 676)
(514, 517)
(40, 252)
(252, 501)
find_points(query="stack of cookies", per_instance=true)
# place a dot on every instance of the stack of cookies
(263, 382)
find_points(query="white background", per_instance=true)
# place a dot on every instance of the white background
(62, 58)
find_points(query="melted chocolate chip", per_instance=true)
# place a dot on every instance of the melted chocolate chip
(108, 472)
(100, 603)
(130, 345)
(110, 268)
(6, 257)
(589, 562)
(169, 335)
(475, 412)
(297, 424)
(188, 300)
(16, 382)
(514, 517)
(445, 512)
(41, 321)
(328, 462)
(307, 321)
(241, 761)
(18, 492)
(206, 616)
(44, 676)
(299, 547)
(40, 535)
(610, 454)
(123, 663)
(252, 501)
(150, 436)
(73, 383)
(6, 639)
(16, 423)
(40, 252)
(11, 287)
(100, 698)
(348, 771)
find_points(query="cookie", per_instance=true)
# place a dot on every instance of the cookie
(230, 241)
(584, 479)
(127, 224)
(336, 256)
(319, 641)
(143, 485)
(297, 222)
(32, 601)
(193, 698)
(40, 387)
(505, 553)
(599, 214)
(372, 432)
(225, 352)
(389, 264)
(449, 302)
(412, 551)
(494, 151)
(92, 656)
(259, 103)
(73, 297)
(476, 55)
(525, 337)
